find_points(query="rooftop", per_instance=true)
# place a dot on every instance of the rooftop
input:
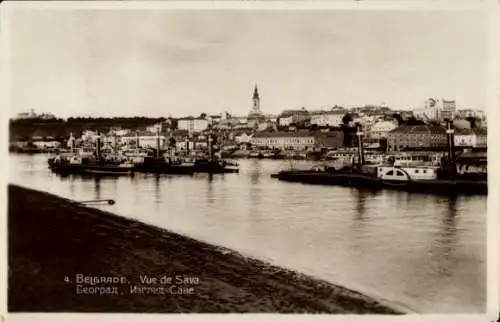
(420, 129)
(283, 134)
(287, 113)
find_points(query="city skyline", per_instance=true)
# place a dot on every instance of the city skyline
(160, 65)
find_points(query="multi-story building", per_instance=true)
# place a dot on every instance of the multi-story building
(330, 139)
(146, 139)
(464, 113)
(471, 138)
(427, 136)
(288, 117)
(301, 140)
(381, 129)
(192, 124)
(449, 109)
(436, 110)
(285, 120)
(327, 118)
(154, 128)
(243, 137)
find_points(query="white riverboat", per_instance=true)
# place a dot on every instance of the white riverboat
(407, 173)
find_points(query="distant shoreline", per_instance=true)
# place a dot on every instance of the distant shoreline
(51, 238)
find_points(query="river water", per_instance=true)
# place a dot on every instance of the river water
(424, 252)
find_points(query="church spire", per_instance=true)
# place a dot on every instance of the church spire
(256, 101)
(256, 93)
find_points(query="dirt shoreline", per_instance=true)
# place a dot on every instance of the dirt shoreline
(50, 238)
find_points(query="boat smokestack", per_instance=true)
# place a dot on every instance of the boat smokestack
(137, 139)
(360, 134)
(451, 145)
(187, 143)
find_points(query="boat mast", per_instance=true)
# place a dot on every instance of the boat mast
(73, 143)
(359, 134)
(157, 144)
(137, 139)
(98, 145)
(210, 141)
(115, 142)
(451, 146)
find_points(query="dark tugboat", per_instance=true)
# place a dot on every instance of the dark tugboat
(427, 179)
(157, 163)
(212, 164)
(94, 164)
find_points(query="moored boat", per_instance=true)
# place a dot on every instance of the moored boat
(411, 176)
(207, 165)
(84, 162)
(79, 165)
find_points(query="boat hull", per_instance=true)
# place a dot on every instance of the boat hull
(214, 167)
(165, 168)
(90, 169)
(358, 180)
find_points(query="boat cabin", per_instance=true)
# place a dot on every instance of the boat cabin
(415, 159)
(407, 173)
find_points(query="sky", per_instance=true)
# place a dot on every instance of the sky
(185, 62)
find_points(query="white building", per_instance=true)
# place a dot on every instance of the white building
(284, 140)
(46, 144)
(154, 128)
(436, 110)
(474, 138)
(285, 121)
(89, 136)
(146, 139)
(192, 124)
(381, 129)
(327, 118)
(122, 132)
(243, 138)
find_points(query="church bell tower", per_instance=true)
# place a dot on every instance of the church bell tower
(256, 101)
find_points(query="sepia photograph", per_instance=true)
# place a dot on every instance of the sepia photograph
(225, 160)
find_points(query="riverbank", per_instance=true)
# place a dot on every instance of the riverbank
(51, 238)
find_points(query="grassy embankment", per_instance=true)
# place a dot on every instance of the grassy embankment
(50, 238)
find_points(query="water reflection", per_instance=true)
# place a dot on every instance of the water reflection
(255, 173)
(97, 188)
(210, 188)
(157, 189)
(72, 185)
(444, 247)
(359, 214)
(425, 251)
